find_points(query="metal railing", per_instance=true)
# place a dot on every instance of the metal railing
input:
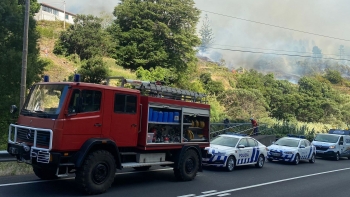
(5, 156)
(236, 128)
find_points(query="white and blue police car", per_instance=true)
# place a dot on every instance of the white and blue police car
(292, 149)
(229, 150)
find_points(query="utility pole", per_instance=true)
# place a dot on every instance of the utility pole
(64, 13)
(24, 55)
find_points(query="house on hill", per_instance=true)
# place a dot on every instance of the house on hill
(50, 13)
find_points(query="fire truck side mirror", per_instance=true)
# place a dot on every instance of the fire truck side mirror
(13, 109)
(66, 113)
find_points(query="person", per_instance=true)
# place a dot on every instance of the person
(255, 126)
(227, 122)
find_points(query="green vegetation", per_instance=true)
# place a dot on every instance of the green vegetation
(11, 34)
(156, 33)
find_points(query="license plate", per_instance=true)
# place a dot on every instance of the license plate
(276, 154)
(13, 150)
(319, 151)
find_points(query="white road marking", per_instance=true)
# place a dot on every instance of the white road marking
(207, 192)
(226, 194)
(273, 182)
(68, 178)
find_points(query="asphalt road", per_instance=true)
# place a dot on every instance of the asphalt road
(322, 179)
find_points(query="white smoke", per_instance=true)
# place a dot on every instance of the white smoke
(317, 16)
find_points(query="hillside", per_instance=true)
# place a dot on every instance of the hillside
(61, 68)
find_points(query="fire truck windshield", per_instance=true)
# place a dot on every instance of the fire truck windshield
(45, 100)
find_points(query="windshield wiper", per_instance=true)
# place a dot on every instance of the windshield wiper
(26, 112)
(42, 113)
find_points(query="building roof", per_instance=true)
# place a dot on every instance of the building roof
(49, 6)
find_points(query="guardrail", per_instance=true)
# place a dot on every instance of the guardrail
(5, 156)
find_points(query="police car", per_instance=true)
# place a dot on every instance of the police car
(292, 149)
(229, 151)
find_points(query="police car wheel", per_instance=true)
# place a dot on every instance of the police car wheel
(230, 164)
(312, 160)
(261, 161)
(337, 156)
(296, 160)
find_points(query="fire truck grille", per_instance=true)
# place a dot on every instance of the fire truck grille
(27, 135)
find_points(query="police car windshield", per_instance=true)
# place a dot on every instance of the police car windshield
(225, 141)
(326, 138)
(287, 142)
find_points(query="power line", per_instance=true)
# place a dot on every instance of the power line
(283, 54)
(270, 49)
(286, 28)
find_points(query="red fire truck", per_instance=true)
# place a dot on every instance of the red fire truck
(92, 130)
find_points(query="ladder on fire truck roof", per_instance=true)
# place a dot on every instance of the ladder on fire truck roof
(155, 89)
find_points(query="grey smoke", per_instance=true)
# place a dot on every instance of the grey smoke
(317, 16)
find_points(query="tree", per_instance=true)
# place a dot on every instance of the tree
(155, 33)
(206, 33)
(11, 46)
(155, 74)
(317, 52)
(94, 70)
(242, 104)
(85, 38)
(333, 76)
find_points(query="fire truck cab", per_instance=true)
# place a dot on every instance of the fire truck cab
(92, 130)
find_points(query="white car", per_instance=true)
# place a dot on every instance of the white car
(292, 149)
(229, 151)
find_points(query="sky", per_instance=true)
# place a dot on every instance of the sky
(326, 17)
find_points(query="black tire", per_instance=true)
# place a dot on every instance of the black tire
(45, 174)
(188, 166)
(296, 159)
(348, 157)
(230, 164)
(313, 158)
(97, 173)
(142, 168)
(261, 161)
(337, 156)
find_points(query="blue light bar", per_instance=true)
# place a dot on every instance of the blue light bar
(76, 77)
(238, 134)
(46, 78)
(296, 136)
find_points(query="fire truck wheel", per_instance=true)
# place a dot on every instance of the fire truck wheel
(188, 166)
(142, 168)
(97, 173)
(45, 174)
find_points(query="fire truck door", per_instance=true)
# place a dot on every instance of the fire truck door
(84, 119)
(125, 116)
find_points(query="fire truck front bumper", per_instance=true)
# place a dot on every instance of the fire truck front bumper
(27, 154)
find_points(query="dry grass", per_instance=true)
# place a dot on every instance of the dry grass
(14, 168)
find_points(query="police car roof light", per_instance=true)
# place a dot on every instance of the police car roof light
(238, 134)
(296, 136)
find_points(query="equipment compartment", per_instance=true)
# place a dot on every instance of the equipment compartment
(169, 125)
(164, 124)
(195, 128)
